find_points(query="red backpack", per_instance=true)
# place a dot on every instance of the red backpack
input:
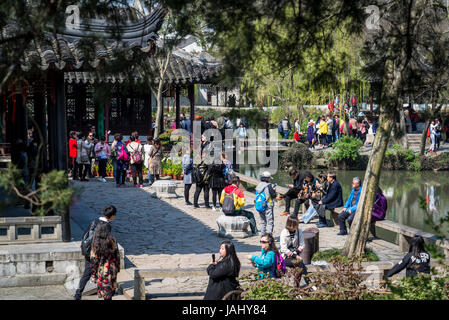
(122, 152)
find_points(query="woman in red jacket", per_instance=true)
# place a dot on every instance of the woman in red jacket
(73, 152)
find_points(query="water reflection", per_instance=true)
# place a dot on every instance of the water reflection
(402, 189)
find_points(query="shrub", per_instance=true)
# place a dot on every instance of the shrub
(400, 158)
(299, 156)
(346, 150)
(329, 254)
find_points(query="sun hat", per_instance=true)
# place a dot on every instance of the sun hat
(266, 174)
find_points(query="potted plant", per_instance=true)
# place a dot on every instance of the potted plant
(177, 171)
(95, 170)
(109, 169)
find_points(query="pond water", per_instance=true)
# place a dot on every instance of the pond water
(403, 190)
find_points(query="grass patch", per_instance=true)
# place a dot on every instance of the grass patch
(329, 254)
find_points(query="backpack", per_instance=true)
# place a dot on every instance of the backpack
(197, 175)
(279, 267)
(280, 128)
(260, 202)
(228, 207)
(122, 152)
(137, 156)
(88, 235)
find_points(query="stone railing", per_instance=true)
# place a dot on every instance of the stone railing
(30, 229)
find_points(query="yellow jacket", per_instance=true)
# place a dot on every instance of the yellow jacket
(323, 127)
(239, 198)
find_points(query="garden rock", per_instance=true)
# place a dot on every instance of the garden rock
(164, 189)
(233, 227)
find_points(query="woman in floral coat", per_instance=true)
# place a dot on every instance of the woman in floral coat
(105, 261)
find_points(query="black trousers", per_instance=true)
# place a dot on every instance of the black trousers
(102, 167)
(137, 170)
(298, 202)
(342, 217)
(83, 169)
(198, 189)
(84, 279)
(121, 176)
(321, 210)
(187, 192)
(216, 193)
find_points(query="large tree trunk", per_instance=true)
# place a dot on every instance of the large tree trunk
(402, 127)
(355, 243)
(157, 127)
(422, 147)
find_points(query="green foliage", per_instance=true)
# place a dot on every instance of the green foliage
(401, 158)
(347, 149)
(257, 118)
(208, 113)
(420, 287)
(299, 156)
(336, 254)
(52, 194)
(268, 289)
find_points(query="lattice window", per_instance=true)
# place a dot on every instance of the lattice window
(70, 103)
(30, 102)
(90, 105)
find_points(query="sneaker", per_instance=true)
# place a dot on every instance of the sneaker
(188, 203)
(214, 209)
(196, 206)
(341, 233)
(141, 186)
(136, 186)
(285, 213)
(208, 207)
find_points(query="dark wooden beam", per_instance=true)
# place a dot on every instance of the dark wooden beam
(178, 107)
(191, 94)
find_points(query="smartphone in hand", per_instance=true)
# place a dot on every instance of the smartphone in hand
(213, 257)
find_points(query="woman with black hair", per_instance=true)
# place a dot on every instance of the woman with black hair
(417, 259)
(223, 274)
(266, 262)
(105, 261)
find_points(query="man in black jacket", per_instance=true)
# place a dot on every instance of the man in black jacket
(292, 193)
(332, 200)
(109, 214)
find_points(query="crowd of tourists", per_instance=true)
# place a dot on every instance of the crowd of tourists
(130, 156)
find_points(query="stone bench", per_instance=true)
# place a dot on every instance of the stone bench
(406, 233)
(333, 216)
(233, 227)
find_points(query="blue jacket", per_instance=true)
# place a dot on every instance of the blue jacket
(265, 262)
(334, 197)
(352, 209)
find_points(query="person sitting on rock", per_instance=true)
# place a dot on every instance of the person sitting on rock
(239, 202)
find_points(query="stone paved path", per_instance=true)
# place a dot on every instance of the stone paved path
(167, 234)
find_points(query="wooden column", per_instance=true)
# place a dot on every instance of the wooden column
(161, 123)
(62, 145)
(149, 112)
(217, 95)
(178, 107)
(191, 94)
(40, 115)
(107, 108)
